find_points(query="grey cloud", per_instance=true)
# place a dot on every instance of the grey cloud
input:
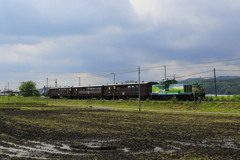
(106, 35)
(54, 18)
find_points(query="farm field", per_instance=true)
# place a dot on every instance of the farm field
(60, 132)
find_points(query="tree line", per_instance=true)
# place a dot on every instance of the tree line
(224, 86)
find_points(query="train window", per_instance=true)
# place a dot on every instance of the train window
(109, 88)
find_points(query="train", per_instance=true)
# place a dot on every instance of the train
(162, 90)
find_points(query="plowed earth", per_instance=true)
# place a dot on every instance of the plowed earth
(106, 134)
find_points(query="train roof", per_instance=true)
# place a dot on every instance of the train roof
(116, 84)
(119, 84)
(66, 87)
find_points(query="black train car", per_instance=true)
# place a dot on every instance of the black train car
(127, 90)
(87, 92)
(60, 92)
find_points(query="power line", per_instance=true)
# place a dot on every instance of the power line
(229, 70)
(195, 74)
(226, 60)
(189, 64)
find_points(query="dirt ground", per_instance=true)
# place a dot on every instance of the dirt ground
(86, 133)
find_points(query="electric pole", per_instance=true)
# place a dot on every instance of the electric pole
(139, 88)
(165, 72)
(113, 83)
(79, 80)
(8, 91)
(113, 77)
(215, 82)
(56, 83)
(47, 91)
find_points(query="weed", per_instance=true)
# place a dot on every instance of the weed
(174, 100)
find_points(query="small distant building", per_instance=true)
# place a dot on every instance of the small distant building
(43, 91)
(7, 92)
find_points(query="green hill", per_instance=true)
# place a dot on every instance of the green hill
(224, 86)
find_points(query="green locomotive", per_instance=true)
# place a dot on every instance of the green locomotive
(166, 89)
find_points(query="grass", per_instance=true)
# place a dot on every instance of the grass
(171, 105)
(223, 98)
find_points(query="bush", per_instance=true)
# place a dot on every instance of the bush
(12, 95)
(174, 100)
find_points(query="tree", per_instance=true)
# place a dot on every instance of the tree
(11, 94)
(28, 89)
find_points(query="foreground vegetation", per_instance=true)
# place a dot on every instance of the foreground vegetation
(86, 133)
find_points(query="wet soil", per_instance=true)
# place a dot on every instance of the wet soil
(107, 134)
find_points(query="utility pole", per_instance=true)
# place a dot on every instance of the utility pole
(215, 82)
(56, 83)
(113, 83)
(79, 80)
(47, 91)
(113, 77)
(8, 91)
(139, 89)
(165, 71)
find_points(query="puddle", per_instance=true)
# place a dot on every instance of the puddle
(19, 153)
(126, 150)
(65, 147)
(158, 149)
(43, 150)
(212, 143)
(226, 143)
(95, 145)
(34, 149)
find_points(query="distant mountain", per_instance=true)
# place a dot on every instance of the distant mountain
(190, 80)
(202, 79)
(227, 85)
(228, 77)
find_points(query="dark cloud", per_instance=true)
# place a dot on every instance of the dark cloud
(106, 36)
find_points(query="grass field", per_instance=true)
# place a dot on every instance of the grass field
(51, 132)
(171, 105)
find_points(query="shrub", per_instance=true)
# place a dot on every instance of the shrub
(12, 95)
(174, 100)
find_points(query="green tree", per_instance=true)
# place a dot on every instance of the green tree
(28, 89)
(12, 95)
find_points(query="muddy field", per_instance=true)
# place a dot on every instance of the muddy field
(85, 133)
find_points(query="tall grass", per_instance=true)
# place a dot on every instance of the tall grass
(16, 101)
(223, 98)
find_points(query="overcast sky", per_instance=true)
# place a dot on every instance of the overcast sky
(90, 39)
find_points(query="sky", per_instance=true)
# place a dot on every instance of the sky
(87, 42)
